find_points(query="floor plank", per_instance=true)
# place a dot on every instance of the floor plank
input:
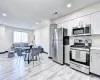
(46, 70)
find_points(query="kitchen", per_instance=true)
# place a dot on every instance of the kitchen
(66, 31)
(83, 29)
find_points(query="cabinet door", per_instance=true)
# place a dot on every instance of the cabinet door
(67, 54)
(95, 63)
(63, 25)
(85, 20)
(76, 22)
(71, 24)
(95, 22)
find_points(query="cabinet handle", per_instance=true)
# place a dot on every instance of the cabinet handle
(91, 58)
(79, 23)
(97, 53)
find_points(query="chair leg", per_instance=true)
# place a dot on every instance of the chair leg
(24, 57)
(41, 55)
(39, 58)
(17, 60)
(33, 60)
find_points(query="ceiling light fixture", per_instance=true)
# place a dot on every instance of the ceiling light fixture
(37, 23)
(69, 5)
(4, 14)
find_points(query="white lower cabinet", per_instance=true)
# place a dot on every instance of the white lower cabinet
(67, 54)
(95, 61)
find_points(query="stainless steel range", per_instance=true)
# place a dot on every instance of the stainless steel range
(80, 55)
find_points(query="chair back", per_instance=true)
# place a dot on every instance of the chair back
(40, 48)
(19, 52)
(35, 52)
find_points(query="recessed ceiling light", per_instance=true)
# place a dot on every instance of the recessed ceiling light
(37, 23)
(4, 14)
(69, 5)
(55, 13)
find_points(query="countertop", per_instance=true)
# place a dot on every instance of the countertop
(98, 48)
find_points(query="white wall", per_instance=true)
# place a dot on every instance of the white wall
(42, 37)
(86, 11)
(6, 37)
(2, 38)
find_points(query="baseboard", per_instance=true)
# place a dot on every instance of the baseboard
(67, 64)
(6, 51)
(58, 62)
(95, 74)
(50, 57)
(3, 52)
(80, 71)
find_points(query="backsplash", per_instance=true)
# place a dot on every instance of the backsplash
(95, 40)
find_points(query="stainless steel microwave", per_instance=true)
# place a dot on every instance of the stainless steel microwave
(84, 30)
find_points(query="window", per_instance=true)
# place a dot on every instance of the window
(20, 37)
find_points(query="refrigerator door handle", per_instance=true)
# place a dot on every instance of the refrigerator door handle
(57, 50)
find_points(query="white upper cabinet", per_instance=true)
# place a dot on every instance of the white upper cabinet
(70, 25)
(95, 22)
(93, 19)
(85, 20)
(76, 22)
(63, 25)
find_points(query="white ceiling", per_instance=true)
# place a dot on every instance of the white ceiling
(25, 13)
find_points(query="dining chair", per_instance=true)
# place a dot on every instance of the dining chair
(35, 53)
(40, 50)
(20, 54)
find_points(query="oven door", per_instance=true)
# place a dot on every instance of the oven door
(78, 31)
(81, 57)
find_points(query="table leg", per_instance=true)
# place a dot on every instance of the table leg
(28, 59)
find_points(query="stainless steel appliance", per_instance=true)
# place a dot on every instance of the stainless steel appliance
(58, 45)
(80, 55)
(51, 34)
(84, 30)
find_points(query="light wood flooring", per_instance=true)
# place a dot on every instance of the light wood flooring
(46, 70)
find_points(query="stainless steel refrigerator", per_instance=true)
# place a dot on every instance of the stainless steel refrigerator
(58, 45)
